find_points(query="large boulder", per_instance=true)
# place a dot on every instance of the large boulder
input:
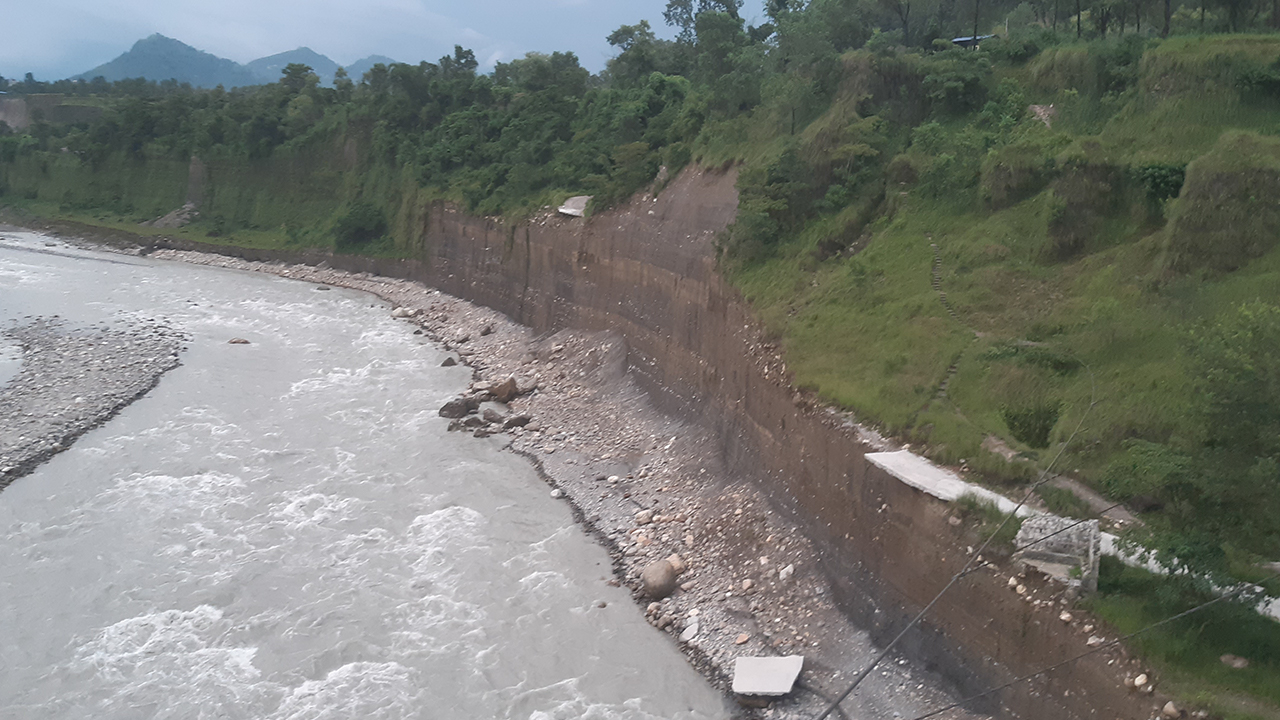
(505, 391)
(459, 407)
(659, 579)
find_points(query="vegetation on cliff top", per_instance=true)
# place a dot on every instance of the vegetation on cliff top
(972, 248)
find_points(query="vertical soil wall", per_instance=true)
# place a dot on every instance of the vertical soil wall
(648, 271)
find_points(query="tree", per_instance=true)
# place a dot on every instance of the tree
(637, 57)
(343, 85)
(684, 14)
(297, 77)
(463, 62)
(901, 9)
(728, 64)
(1238, 363)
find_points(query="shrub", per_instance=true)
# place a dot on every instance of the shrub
(955, 81)
(1032, 424)
(902, 170)
(1144, 469)
(1161, 181)
(361, 224)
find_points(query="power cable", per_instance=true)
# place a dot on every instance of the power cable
(1100, 648)
(1044, 475)
(1037, 541)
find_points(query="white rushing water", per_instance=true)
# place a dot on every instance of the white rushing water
(285, 530)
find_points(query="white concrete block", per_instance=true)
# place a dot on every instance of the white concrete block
(575, 206)
(766, 675)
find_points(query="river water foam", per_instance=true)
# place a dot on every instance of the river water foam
(285, 530)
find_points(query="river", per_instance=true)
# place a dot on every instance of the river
(285, 529)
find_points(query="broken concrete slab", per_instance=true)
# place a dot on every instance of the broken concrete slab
(939, 482)
(1062, 548)
(575, 206)
(773, 676)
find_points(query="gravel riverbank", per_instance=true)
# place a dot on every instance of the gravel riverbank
(71, 380)
(649, 487)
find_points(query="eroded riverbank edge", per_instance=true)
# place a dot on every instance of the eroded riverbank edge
(647, 271)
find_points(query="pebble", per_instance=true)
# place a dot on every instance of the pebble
(557, 493)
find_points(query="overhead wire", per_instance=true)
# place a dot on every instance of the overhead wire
(1098, 649)
(1042, 538)
(1044, 475)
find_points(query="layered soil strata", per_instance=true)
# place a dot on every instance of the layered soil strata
(73, 379)
(647, 271)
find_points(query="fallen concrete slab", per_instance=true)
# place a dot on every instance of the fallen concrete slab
(575, 206)
(939, 482)
(773, 676)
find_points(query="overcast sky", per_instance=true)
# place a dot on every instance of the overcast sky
(54, 39)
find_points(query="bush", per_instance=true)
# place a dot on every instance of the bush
(1032, 424)
(955, 81)
(1144, 469)
(1161, 181)
(362, 224)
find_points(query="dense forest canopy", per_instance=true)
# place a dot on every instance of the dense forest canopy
(1066, 177)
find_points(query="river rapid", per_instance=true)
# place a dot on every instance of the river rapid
(285, 529)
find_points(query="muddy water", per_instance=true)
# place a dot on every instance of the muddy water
(285, 530)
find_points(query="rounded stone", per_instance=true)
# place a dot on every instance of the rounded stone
(659, 579)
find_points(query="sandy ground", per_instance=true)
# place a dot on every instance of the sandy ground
(648, 486)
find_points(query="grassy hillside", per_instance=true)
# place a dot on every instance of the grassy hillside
(1073, 263)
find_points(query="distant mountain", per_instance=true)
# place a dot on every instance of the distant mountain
(268, 69)
(162, 58)
(357, 69)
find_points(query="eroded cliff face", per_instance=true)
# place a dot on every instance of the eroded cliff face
(648, 271)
